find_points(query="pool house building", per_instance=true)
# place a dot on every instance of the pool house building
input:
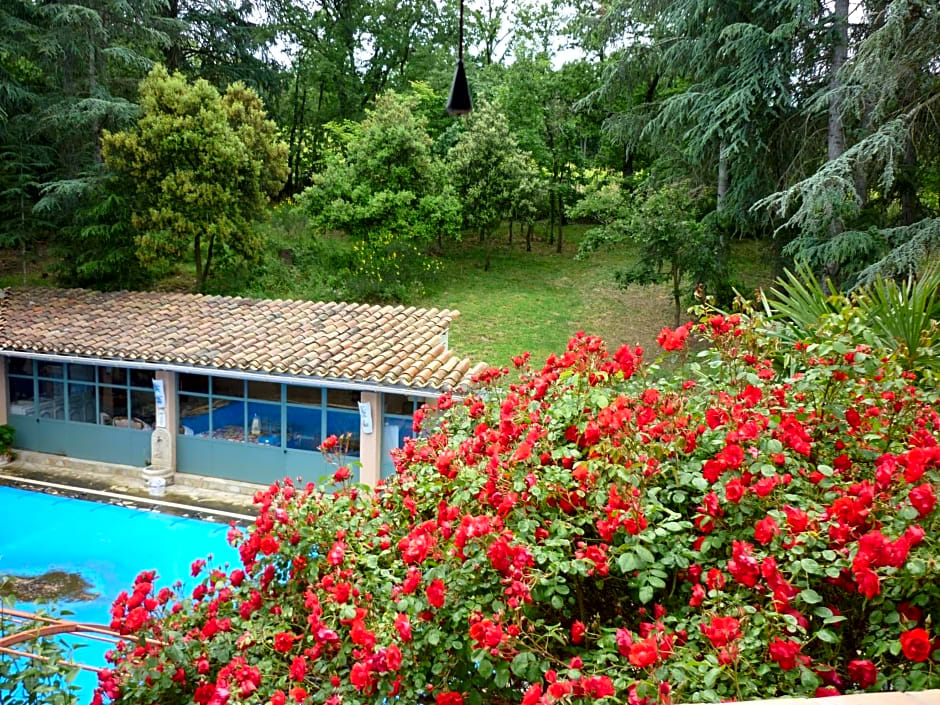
(233, 388)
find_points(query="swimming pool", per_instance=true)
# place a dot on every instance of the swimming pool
(107, 545)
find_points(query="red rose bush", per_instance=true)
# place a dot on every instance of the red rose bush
(760, 522)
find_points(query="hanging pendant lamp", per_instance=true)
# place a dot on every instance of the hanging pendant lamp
(459, 101)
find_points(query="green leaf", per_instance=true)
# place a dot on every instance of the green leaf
(712, 676)
(485, 668)
(826, 636)
(521, 662)
(811, 597)
(502, 675)
(646, 594)
(644, 554)
(810, 566)
(627, 562)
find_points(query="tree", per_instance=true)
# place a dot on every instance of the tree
(886, 90)
(66, 73)
(487, 168)
(203, 166)
(666, 228)
(387, 192)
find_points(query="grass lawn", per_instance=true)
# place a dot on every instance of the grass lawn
(537, 300)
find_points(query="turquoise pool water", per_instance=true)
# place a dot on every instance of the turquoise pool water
(107, 545)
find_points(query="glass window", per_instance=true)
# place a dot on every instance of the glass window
(50, 369)
(51, 400)
(194, 416)
(82, 373)
(395, 431)
(112, 406)
(304, 427)
(82, 402)
(141, 378)
(228, 420)
(112, 375)
(264, 423)
(228, 387)
(343, 422)
(268, 391)
(143, 409)
(399, 404)
(22, 401)
(198, 384)
(343, 398)
(20, 366)
(304, 395)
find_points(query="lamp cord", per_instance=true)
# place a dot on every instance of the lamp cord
(460, 34)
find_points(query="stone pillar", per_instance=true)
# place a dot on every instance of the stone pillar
(4, 392)
(163, 438)
(370, 446)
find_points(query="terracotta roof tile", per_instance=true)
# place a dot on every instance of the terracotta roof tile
(390, 345)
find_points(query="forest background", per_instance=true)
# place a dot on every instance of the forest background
(621, 156)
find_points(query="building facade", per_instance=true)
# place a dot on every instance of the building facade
(229, 387)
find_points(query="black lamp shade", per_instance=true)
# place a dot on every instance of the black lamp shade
(459, 101)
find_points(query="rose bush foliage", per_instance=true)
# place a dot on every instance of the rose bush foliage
(761, 522)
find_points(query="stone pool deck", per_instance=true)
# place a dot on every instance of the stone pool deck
(193, 490)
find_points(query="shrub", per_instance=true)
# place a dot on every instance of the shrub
(762, 522)
(44, 679)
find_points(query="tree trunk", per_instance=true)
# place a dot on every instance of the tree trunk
(510, 231)
(197, 252)
(626, 169)
(205, 273)
(676, 293)
(551, 215)
(487, 248)
(561, 219)
(724, 185)
(292, 155)
(835, 134)
(836, 131)
(528, 237)
(907, 185)
(173, 54)
(724, 176)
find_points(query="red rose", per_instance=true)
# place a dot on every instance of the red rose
(341, 474)
(624, 642)
(863, 672)
(577, 632)
(360, 676)
(915, 644)
(403, 627)
(435, 593)
(784, 652)
(298, 668)
(826, 691)
(269, 545)
(393, 658)
(722, 631)
(923, 499)
(532, 695)
(279, 698)
(644, 653)
(765, 530)
(449, 699)
(597, 687)
(283, 642)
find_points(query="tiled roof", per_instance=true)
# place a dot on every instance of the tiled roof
(385, 345)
